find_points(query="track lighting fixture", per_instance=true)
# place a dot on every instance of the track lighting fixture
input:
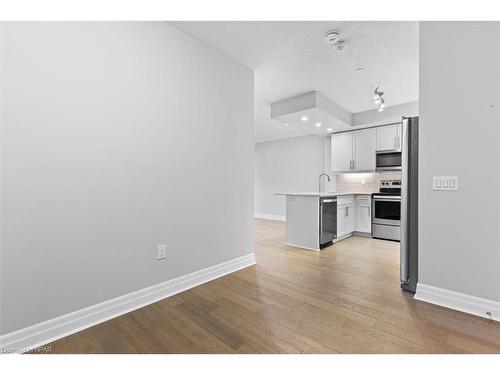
(378, 99)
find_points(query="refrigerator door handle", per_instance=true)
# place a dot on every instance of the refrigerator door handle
(404, 246)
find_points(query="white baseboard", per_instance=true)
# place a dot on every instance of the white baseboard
(42, 333)
(270, 217)
(342, 237)
(458, 301)
(301, 247)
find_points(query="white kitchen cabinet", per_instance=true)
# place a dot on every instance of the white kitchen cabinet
(399, 130)
(354, 151)
(365, 143)
(389, 137)
(342, 148)
(350, 219)
(341, 221)
(363, 214)
(345, 216)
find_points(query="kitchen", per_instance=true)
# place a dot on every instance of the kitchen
(334, 160)
(387, 156)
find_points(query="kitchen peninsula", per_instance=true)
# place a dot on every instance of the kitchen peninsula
(316, 220)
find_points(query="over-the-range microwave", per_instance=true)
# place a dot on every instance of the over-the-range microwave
(388, 160)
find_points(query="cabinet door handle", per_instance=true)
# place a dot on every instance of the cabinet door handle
(369, 211)
(347, 211)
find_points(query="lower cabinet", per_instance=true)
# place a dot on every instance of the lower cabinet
(363, 214)
(354, 214)
(345, 215)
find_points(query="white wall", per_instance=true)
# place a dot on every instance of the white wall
(459, 240)
(286, 165)
(117, 137)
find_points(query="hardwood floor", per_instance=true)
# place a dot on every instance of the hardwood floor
(344, 299)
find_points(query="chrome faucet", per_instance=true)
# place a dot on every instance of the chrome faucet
(319, 180)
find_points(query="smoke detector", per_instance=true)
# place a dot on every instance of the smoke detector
(332, 37)
(340, 45)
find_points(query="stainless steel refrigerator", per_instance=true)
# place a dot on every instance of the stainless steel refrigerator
(409, 204)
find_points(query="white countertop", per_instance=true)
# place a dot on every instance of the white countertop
(326, 193)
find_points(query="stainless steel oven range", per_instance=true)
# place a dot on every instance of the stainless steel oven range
(386, 208)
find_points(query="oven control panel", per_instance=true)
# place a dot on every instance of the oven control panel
(390, 184)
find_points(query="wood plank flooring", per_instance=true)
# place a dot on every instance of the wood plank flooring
(344, 299)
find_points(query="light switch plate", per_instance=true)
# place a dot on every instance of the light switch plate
(445, 183)
(161, 251)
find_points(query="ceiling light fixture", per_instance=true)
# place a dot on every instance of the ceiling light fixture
(318, 124)
(378, 99)
(359, 70)
(329, 129)
(304, 118)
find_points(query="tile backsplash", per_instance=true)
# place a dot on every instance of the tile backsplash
(363, 182)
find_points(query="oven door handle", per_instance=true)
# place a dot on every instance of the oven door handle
(387, 198)
(388, 168)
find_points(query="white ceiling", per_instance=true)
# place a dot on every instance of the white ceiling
(291, 58)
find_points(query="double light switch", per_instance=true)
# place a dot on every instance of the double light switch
(445, 183)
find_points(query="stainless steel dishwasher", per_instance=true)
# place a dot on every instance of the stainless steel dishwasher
(327, 221)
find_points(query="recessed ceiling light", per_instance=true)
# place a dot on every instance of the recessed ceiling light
(358, 70)
(318, 124)
(304, 118)
(329, 129)
(286, 124)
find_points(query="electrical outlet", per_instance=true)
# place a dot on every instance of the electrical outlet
(161, 251)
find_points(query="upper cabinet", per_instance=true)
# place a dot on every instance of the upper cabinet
(342, 152)
(365, 142)
(354, 151)
(389, 137)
